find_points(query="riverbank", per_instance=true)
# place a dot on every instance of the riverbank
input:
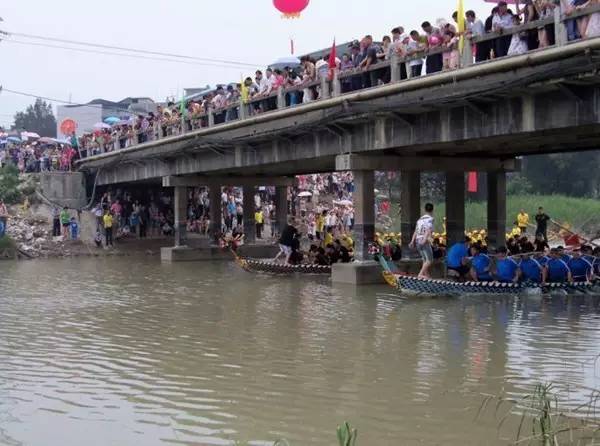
(29, 236)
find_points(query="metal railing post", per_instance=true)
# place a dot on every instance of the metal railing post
(336, 85)
(243, 109)
(467, 53)
(395, 74)
(408, 69)
(325, 88)
(560, 28)
(211, 117)
(280, 97)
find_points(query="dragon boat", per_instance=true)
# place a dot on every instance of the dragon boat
(266, 266)
(413, 285)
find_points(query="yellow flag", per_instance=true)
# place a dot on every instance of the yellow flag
(460, 20)
(244, 93)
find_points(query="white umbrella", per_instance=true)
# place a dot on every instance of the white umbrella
(343, 203)
(27, 135)
(101, 125)
(305, 194)
(282, 62)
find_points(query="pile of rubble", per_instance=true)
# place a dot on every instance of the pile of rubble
(32, 234)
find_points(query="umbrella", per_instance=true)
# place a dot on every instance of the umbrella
(13, 139)
(111, 120)
(282, 62)
(27, 135)
(101, 125)
(343, 203)
(305, 194)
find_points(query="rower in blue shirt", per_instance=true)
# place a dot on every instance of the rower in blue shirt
(456, 258)
(507, 270)
(581, 269)
(480, 265)
(556, 270)
(563, 256)
(531, 270)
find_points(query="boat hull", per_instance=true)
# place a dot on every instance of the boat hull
(270, 267)
(434, 287)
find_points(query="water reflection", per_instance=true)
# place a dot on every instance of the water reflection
(118, 351)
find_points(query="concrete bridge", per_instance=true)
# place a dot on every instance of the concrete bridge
(478, 118)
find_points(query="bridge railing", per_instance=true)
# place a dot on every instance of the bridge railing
(395, 69)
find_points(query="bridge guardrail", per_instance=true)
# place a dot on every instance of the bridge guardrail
(325, 87)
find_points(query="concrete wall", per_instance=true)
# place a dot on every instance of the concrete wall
(64, 188)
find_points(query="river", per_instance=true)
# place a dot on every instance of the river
(125, 351)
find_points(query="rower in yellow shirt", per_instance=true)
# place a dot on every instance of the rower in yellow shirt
(523, 221)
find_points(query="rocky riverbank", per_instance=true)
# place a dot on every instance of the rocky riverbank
(29, 236)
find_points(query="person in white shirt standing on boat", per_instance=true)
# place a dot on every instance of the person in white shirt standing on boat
(422, 239)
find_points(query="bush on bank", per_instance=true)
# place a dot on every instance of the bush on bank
(9, 184)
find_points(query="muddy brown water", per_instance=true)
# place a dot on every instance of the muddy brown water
(126, 351)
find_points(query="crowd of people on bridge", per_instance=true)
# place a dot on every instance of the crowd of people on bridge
(432, 48)
(38, 154)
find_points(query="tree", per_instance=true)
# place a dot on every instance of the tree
(573, 174)
(38, 118)
(9, 184)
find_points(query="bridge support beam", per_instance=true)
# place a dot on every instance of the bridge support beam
(496, 208)
(410, 204)
(281, 209)
(180, 202)
(455, 207)
(364, 213)
(216, 211)
(362, 271)
(249, 208)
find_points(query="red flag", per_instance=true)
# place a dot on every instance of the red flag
(331, 63)
(472, 182)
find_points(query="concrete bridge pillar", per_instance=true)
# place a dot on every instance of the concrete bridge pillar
(496, 208)
(180, 202)
(363, 271)
(410, 204)
(364, 213)
(281, 209)
(455, 207)
(216, 211)
(249, 209)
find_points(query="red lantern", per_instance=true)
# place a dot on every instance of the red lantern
(291, 9)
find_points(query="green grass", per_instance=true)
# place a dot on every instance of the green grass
(582, 213)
